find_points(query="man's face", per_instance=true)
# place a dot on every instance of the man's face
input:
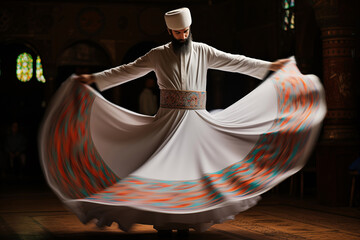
(181, 35)
(181, 39)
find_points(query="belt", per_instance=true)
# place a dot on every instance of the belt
(182, 99)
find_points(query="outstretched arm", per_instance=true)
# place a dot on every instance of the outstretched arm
(236, 63)
(121, 74)
(242, 64)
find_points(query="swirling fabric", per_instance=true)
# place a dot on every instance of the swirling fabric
(180, 167)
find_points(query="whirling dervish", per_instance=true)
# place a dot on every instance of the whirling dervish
(183, 167)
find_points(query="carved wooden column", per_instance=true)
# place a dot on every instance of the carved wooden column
(339, 142)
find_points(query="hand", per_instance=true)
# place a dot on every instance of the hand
(85, 78)
(278, 64)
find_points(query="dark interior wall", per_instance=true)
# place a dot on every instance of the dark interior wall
(260, 25)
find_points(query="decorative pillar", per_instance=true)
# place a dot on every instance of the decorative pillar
(339, 80)
(339, 143)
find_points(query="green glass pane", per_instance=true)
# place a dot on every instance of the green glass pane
(286, 4)
(39, 70)
(24, 67)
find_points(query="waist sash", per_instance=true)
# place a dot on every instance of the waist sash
(182, 99)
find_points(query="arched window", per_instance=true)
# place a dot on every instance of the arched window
(24, 67)
(39, 70)
(288, 7)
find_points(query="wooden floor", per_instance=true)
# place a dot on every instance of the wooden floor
(32, 211)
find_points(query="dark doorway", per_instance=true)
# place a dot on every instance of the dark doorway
(21, 102)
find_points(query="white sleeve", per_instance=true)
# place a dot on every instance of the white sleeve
(237, 63)
(124, 73)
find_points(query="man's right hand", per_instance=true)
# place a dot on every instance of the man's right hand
(85, 78)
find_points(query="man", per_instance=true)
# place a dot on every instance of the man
(182, 168)
(180, 66)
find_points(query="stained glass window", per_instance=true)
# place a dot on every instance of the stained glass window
(24, 67)
(39, 70)
(288, 15)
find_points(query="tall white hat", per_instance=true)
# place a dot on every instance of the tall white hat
(178, 19)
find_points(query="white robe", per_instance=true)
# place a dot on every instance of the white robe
(180, 168)
(186, 71)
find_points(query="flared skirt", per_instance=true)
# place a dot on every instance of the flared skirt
(180, 167)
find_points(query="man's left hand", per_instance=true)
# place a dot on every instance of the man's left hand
(278, 64)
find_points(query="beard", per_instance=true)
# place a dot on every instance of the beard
(181, 46)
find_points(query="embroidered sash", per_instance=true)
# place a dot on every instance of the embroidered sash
(182, 99)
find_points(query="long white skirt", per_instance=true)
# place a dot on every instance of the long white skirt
(180, 168)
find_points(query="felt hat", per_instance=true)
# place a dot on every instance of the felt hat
(178, 19)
